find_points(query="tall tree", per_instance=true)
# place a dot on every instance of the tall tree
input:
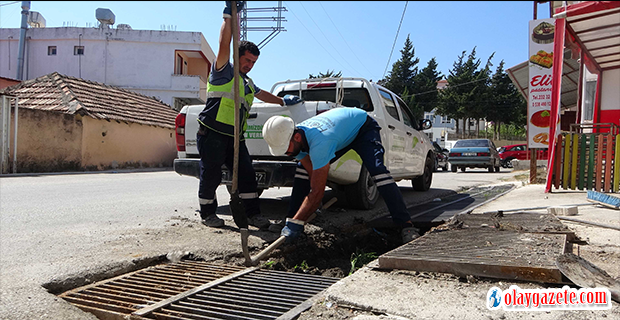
(425, 87)
(403, 71)
(508, 105)
(450, 99)
(328, 74)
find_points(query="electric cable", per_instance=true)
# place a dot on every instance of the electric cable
(343, 38)
(330, 43)
(303, 25)
(395, 38)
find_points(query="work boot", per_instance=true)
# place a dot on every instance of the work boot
(277, 226)
(409, 234)
(258, 221)
(213, 220)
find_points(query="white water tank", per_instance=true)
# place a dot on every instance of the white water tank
(36, 20)
(105, 16)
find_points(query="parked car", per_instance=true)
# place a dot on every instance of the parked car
(474, 153)
(441, 157)
(519, 152)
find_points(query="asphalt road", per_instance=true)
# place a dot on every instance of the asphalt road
(65, 230)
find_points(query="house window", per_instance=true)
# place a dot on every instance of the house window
(78, 50)
(51, 50)
(445, 119)
(179, 67)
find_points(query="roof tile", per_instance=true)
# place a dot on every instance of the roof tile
(61, 93)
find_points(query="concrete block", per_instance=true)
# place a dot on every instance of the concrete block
(563, 210)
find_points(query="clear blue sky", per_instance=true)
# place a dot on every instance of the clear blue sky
(313, 41)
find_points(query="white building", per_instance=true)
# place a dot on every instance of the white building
(171, 66)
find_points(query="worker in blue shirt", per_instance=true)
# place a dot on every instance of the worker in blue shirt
(215, 138)
(322, 139)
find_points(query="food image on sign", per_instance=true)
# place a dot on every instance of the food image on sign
(543, 33)
(541, 118)
(541, 138)
(543, 59)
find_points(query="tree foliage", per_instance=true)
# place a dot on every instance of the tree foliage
(403, 71)
(328, 74)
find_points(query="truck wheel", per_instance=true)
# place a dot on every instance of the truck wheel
(363, 194)
(423, 182)
(463, 169)
(490, 169)
(259, 190)
(454, 168)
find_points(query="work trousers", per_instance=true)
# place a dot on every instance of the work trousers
(368, 145)
(216, 150)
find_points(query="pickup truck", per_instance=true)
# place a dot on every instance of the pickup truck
(408, 151)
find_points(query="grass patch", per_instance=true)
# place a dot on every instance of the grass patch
(360, 258)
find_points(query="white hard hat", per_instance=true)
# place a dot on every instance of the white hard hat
(277, 132)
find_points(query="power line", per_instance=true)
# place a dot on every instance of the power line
(343, 38)
(315, 38)
(397, 32)
(436, 90)
(318, 27)
(6, 4)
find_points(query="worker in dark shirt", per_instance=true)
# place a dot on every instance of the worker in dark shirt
(215, 137)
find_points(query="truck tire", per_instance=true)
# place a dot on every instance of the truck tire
(423, 182)
(363, 194)
(454, 168)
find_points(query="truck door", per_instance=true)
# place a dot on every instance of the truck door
(415, 149)
(396, 146)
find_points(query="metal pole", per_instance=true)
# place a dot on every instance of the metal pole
(22, 40)
(5, 123)
(15, 137)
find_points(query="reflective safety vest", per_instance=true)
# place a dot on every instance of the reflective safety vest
(219, 112)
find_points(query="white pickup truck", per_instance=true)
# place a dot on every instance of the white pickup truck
(408, 151)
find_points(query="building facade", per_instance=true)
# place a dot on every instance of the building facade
(171, 66)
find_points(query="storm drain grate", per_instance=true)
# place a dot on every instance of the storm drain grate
(127, 293)
(237, 293)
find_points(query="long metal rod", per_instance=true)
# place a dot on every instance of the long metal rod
(15, 137)
(5, 126)
(602, 225)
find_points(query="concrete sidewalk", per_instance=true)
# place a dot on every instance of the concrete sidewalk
(418, 295)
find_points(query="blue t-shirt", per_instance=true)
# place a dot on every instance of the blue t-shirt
(330, 132)
(224, 76)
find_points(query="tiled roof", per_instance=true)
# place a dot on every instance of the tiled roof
(60, 93)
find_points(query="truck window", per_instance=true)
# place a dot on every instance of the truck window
(389, 104)
(407, 115)
(353, 97)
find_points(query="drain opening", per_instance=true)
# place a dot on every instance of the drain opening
(195, 290)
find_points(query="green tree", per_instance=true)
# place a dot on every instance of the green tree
(403, 71)
(425, 88)
(508, 105)
(328, 74)
(466, 95)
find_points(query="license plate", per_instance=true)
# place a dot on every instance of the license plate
(261, 177)
(469, 154)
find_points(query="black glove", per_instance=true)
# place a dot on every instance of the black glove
(228, 8)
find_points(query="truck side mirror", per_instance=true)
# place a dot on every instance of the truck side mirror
(425, 124)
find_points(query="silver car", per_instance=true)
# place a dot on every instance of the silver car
(474, 153)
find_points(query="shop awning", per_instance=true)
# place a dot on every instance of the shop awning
(595, 27)
(520, 76)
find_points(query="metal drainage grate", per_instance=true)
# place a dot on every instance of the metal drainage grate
(125, 294)
(249, 293)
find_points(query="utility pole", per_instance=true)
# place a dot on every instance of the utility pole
(278, 19)
(22, 40)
